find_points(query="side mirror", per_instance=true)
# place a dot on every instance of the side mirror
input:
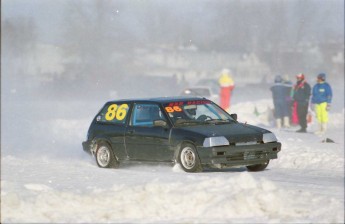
(159, 123)
(234, 116)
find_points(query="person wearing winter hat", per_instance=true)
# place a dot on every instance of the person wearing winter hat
(301, 96)
(226, 87)
(321, 100)
(281, 108)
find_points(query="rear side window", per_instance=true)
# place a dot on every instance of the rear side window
(146, 114)
(115, 113)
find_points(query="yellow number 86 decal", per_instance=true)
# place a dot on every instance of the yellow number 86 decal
(115, 111)
(173, 109)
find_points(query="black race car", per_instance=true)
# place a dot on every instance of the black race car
(191, 131)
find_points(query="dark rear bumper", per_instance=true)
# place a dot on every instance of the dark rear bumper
(239, 155)
(87, 147)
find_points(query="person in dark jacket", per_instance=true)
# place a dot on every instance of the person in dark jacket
(301, 95)
(288, 99)
(281, 106)
(322, 98)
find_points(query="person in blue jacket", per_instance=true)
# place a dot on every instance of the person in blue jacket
(281, 107)
(322, 98)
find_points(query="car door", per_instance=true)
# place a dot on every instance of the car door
(143, 140)
(110, 124)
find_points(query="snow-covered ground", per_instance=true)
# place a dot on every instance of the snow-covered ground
(45, 176)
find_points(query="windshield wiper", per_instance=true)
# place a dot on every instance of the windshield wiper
(178, 122)
(196, 122)
(220, 121)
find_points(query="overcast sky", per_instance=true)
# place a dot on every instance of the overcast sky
(48, 14)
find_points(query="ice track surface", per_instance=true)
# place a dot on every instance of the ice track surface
(59, 183)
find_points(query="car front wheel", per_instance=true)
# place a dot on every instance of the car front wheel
(189, 159)
(258, 167)
(105, 157)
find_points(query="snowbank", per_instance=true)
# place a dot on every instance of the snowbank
(210, 200)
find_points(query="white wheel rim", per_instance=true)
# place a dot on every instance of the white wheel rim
(187, 158)
(103, 156)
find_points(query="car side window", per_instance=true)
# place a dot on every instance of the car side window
(114, 113)
(145, 114)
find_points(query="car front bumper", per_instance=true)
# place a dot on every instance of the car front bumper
(241, 155)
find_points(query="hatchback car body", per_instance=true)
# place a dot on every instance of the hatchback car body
(211, 83)
(191, 131)
(201, 91)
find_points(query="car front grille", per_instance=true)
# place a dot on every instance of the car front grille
(247, 143)
(247, 156)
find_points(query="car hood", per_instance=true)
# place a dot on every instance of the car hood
(234, 132)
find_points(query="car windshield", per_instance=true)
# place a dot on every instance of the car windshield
(196, 112)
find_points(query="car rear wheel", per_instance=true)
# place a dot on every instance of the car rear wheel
(105, 157)
(258, 167)
(189, 159)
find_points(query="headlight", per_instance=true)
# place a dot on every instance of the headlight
(269, 137)
(215, 141)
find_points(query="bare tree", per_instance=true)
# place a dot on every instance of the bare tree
(18, 44)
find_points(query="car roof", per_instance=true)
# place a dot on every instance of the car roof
(160, 99)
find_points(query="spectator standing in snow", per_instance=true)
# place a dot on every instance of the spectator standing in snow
(281, 108)
(288, 99)
(301, 95)
(321, 100)
(226, 86)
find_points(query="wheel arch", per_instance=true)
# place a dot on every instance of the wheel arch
(114, 161)
(180, 145)
(98, 140)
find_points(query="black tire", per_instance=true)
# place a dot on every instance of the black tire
(258, 167)
(105, 157)
(188, 158)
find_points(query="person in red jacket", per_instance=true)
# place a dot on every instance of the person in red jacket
(226, 86)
